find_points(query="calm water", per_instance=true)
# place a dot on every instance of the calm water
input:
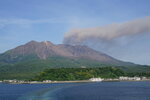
(77, 91)
(20, 91)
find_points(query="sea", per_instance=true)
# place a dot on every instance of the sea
(77, 91)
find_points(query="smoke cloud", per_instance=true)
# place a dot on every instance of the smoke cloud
(109, 32)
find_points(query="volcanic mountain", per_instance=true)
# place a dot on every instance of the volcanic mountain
(46, 49)
(25, 61)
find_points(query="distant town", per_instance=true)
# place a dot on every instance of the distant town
(122, 78)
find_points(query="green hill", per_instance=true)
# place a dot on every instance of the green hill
(30, 68)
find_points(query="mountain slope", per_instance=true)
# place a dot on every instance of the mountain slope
(25, 61)
(46, 49)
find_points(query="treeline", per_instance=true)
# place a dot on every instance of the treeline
(138, 74)
(65, 74)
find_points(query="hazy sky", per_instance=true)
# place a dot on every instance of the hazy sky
(25, 20)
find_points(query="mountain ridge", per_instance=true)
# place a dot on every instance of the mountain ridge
(46, 49)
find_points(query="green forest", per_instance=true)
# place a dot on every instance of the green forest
(65, 74)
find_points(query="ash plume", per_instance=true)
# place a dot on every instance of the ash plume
(108, 33)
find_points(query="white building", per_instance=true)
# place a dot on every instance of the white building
(47, 81)
(129, 78)
(96, 79)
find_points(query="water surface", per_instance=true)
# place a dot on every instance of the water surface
(106, 91)
(77, 91)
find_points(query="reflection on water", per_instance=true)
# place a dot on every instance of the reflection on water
(18, 91)
(48, 93)
(44, 94)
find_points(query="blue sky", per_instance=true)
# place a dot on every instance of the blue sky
(25, 20)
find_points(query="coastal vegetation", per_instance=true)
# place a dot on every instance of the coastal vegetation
(70, 74)
(66, 74)
(139, 74)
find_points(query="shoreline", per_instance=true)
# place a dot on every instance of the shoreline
(77, 81)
